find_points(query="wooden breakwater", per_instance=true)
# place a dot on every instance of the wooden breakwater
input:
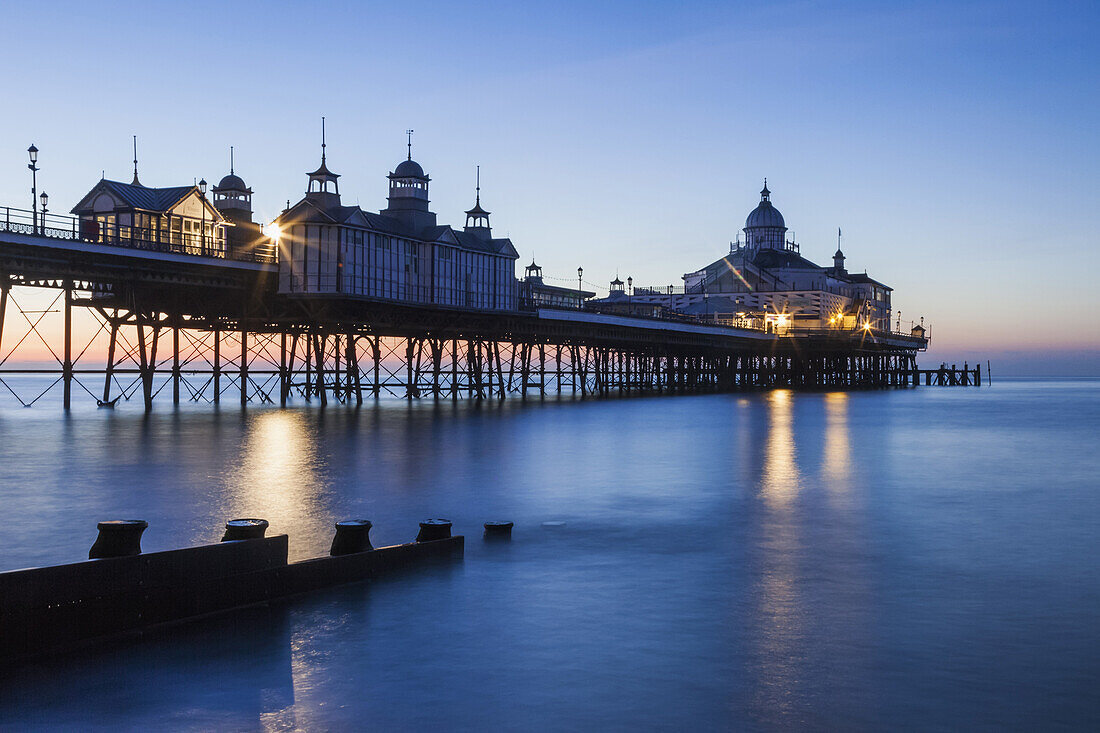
(55, 608)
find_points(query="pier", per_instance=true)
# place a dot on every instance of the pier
(180, 323)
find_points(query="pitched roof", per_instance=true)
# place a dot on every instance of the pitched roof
(774, 258)
(149, 199)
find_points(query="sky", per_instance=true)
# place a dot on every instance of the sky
(954, 142)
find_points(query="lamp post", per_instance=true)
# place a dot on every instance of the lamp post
(32, 151)
(44, 199)
(202, 236)
(629, 288)
(580, 295)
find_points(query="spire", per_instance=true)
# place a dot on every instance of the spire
(322, 141)
(230, 160)
(410, 143)
(764, 192)
(136, 181)
(477, 217)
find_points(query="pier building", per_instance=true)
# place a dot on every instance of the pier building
(766, 278)
(400, 253)
(179, 217)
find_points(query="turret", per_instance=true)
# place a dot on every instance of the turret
(232, 197)
(408, 199)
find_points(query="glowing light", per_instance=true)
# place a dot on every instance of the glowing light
(272, 231)
(866, 325)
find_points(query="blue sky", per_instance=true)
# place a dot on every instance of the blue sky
(955, 143)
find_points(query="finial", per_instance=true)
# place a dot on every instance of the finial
(230, 160)
(136, 181)
(764, 191)
(478, 187)
(322, 140)
(410, 134)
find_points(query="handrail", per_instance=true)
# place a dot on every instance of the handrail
(72, 228)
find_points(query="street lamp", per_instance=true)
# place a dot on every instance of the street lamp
(32, 151)
(580, 295)
(202, 190)
(629, 287)
(43, 198)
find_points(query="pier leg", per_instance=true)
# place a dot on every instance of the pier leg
(5, 286)
(282, 370)
(110, 367)
(217, 366)
(67, 367)
(376, 354)
(409, 369)
(244, 366)
(319, 343)
(175, 362)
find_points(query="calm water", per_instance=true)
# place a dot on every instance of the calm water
(908, 559)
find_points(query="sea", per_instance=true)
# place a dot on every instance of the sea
(906, 559)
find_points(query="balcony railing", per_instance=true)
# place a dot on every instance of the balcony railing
(72, 228)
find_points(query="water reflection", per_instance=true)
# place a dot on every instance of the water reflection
(279, 472)
(780, 481)
(836, 468)
(779, 607)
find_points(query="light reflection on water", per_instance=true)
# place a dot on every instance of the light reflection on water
(725, 562)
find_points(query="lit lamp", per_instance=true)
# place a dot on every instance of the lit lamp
(580, 295)
(629, 285)
(32, 151)
(43, 198)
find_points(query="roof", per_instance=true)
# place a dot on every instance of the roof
(145, 198)
(764, 215)
(772, 259)
(865, 278)
(323, 170)
(409, 169)
(309, 210)
(232, 182)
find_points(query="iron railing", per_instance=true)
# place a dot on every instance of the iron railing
(72, 228)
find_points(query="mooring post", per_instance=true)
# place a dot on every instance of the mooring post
(118, 538)
(67, 367)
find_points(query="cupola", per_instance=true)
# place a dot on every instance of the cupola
(408, 196)
(477, 218)
(323, 190)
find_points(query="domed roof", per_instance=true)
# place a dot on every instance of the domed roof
(232, 182)
(765, 215)
(409, 169)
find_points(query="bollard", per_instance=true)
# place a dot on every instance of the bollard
(498, 530)
(244, 529)
(352, 535)
(434, 529)
(118, 538)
